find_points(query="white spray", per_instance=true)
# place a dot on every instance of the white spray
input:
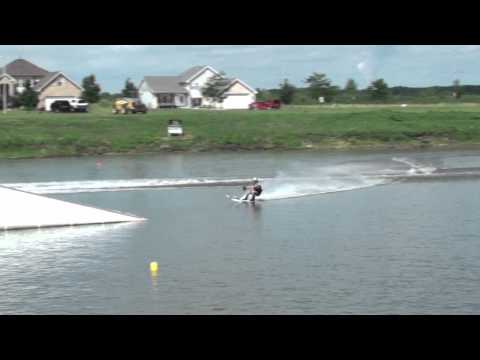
(415, 167)
(323, 180)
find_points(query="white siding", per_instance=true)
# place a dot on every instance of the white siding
(238, 97)
(207, 101)
(238, 101)
(149, 99)
(195, 86)
(201, 79)
(181, 100)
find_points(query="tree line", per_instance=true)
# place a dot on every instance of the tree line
(92, 92)
(320, 89)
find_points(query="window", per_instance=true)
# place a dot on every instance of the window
(181, 99)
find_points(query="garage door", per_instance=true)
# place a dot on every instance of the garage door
(237, 101)
(49, 100)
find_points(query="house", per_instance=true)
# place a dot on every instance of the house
(185, 91)
(49, 85)
(7, 88)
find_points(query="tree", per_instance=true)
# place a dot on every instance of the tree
(351, 86)
(130, 90)
(287, 91)
(457, 92)
(91, 90)
(29, 97)
(214, 86)
(378, 90)
(320, 86)
(264, 95)
(106, 96)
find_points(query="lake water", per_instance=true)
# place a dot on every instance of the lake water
(340, 233)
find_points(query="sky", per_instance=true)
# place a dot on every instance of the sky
(260, 66)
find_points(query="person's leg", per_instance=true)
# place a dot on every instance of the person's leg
(252, 197)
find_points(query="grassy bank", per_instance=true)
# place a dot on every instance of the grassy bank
(33, 134)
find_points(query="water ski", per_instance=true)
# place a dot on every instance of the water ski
(239, 200)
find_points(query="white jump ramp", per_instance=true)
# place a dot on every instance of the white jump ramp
(24, 210)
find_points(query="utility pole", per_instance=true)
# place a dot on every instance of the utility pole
(3, 86)
(4, 92)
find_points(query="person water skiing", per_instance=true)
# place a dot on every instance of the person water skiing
(254, 190)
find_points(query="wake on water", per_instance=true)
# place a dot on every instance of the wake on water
(415, 168)
(72, 187)
(304, 182)
(325, 180)
(345, 177)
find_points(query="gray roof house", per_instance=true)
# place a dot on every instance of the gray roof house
(185, 90)
(165, 84)
(187, 74)
(49, 85)
(21, 68)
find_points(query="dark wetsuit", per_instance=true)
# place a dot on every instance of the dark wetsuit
(257, 190)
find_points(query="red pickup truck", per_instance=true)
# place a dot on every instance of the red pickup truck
(266, 105)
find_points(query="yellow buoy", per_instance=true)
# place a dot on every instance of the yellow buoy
(153, 266)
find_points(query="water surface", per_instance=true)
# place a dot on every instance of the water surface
(341, 233)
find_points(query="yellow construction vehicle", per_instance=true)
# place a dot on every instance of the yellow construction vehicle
(128, 106)
(120, 106)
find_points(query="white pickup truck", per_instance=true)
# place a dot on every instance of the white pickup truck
(77, 104)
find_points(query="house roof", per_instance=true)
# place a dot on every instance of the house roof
(228, 83)
(21, 67)
(50, 77)
(6, 79)
(195, 71)
(224, 84)
(165, 84)
(243, 83)
(187, 74)
(45, 80)
(172, 84)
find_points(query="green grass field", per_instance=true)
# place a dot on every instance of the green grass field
(34, 134)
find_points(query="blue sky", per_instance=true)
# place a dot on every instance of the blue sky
(261, 66)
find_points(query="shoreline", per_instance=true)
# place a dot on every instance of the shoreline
(242, 149)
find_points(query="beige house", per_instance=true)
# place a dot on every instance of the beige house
(49, 85)
(56, 85)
